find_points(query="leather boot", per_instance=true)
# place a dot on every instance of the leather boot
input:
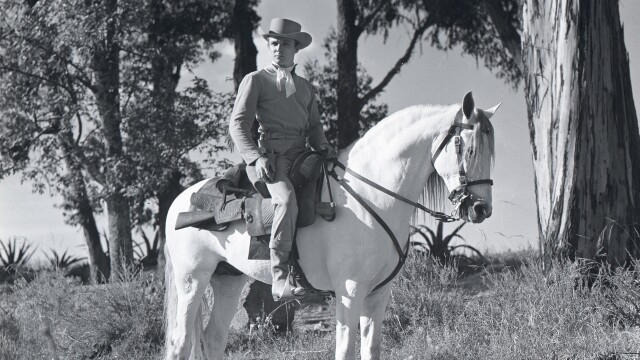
(283, 287)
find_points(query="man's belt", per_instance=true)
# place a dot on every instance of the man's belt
(282, 136)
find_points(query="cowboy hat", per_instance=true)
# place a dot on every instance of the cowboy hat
(286, 29)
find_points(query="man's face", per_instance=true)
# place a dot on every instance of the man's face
(283, 51)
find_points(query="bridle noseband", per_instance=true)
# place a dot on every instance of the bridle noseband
(460, 193)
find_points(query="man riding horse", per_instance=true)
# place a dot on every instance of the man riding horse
(284, 104)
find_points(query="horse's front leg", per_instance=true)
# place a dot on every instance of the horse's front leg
(371, 323)
(348, 306)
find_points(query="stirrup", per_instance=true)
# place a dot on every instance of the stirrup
(290, 292)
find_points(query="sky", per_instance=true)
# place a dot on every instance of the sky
(430, 77)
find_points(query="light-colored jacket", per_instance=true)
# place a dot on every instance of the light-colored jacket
(259, 99)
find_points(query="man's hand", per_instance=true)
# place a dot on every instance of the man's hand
(328, 151)
(265, 169)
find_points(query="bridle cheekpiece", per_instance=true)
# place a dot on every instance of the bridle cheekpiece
(460, 193)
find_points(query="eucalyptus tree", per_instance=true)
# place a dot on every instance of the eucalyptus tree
(584, 130)
(89, 93)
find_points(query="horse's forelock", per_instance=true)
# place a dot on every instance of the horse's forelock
(483, 138)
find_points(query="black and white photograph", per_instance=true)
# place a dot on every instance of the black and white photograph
(319, 179)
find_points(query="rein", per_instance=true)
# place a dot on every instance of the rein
(457, 196)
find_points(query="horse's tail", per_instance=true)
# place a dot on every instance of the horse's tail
(170, 304)
(171, 313)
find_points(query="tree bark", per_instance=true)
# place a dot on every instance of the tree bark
(106, 67)
(348, 102)
(583, 129)
(78, 197)
(246, 52)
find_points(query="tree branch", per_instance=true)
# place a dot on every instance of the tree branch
(398, 65)
(95, 174)
(81, 76)
(366, 20)
(509, 36)
(35, 76)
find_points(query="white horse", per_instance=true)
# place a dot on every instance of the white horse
(352, 254)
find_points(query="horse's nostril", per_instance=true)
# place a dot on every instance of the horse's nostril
(480, 209)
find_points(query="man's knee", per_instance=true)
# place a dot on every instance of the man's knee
(286, 200)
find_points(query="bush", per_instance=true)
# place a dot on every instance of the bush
(113, 321)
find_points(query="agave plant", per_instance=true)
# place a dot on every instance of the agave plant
(149, 255)
(62, 261)
(14, 255)
(439, 246)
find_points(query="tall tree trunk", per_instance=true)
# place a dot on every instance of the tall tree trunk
(584, 130)
(78, 197)
(349, 105)
(166, 64)
(106, 67)
(243, 25)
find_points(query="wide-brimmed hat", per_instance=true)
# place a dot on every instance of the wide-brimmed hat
(286, 29)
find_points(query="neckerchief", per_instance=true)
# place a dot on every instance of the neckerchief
(285, 73)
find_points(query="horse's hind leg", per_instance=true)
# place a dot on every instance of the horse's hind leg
(226, 295)
(190, 288)
(371, 319)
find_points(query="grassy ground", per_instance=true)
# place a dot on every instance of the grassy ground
(501, 312)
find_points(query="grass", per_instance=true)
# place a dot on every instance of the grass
(56, 316)
(508, 310)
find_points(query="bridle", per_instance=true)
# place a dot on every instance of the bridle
(460, 193)
(457, 196)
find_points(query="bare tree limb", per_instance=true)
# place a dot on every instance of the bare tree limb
(398, 65)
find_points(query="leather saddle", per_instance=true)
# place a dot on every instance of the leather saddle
(239, 194)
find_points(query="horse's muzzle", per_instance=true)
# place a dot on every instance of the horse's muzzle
(479, 211)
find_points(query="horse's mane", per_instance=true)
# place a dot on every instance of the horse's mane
(411, 112)
(435, 193)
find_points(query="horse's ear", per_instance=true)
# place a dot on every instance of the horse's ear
(468, 105)
(489, 112)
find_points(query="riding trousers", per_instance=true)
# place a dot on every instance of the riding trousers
(281, 154)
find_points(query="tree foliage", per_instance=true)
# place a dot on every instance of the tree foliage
(88, 97)
(483, 29)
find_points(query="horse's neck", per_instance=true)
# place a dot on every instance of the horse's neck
(397, 154)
